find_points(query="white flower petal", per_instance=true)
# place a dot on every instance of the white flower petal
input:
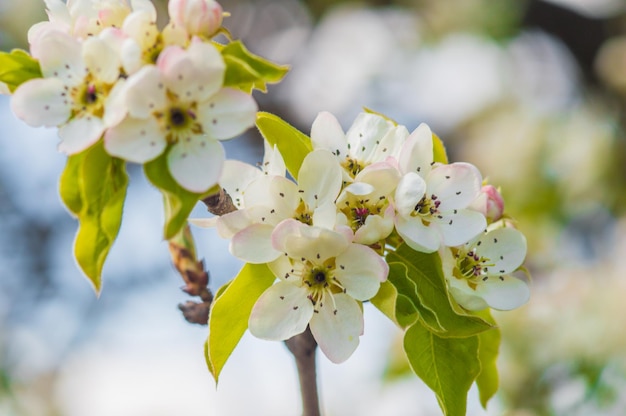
(115, 105)
(281, 312)
(230, 224)
(357, 189)
(320, 178)
(39, 102)
(409, 192)
(326, 133)
(299, 241)
(276, 192)
(145, 92)
(101, 60)
(417, 235)
(337, 327)
(383, 176)
(459, 228)
(196, 164)
(135, 140)
(360, 270)
(504, 247)
(141, 27)
(209, 65)
(376, 228)
(498, 292)
(273, 162)
(204, 222)
(79, 134)
(236, 176)
(365, 134)
(253, 244)
(131, 56)
(60, 56)
(390, 145)
(227, 114)
(417, 152)
(325, 215)
(455, 185)
(144, 6)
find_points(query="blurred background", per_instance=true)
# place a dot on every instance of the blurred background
(532, 92)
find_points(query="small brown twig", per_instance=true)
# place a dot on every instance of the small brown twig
(303, 347)
(220, 203)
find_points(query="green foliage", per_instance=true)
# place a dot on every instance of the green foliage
(448, 366)
(292, 143)
(177, 201)
(446, 346)
(93, 187)
(17, 67)
(247, 71)
(439, 150)
(230, 312)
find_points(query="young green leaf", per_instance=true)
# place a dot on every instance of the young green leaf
(292, 143)
(247, 71)
(93, 187)
(489, 344)
(448, 366)
(439, 150)
(177, 201)
(228, 319)
(431, 293)
(17, 67)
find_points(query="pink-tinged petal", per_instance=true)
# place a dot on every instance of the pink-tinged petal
(145, 92)
(360, 270)
(135, 140)
(227, 114)
(390, 145)
(376, 228)
(459, 228)
(79, 134)
(489, 203)
(504, 247)
(101, 60)
(417, 235)
(253, 244)
(236, 176)
(299, 241)
(337, 327)
(409, 192)
(276, 192)
(455, 185)
(60, 56)
(40, 102)
(365, 134)
(417, 152)
(197, 163)
(320, 178)
(281, 312)
(326, 133)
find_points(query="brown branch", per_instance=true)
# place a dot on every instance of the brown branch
(303, 347)
(220, 203)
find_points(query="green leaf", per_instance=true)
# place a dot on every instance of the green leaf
(177, 201)
(370, 111)
(292, 143)
(93, 187)
(448, 366)
(489, 344)
(17, 67)
(230, 312)
(247, 71)
(431, 293)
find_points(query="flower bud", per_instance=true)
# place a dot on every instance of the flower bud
(490, 203)
(197, 17)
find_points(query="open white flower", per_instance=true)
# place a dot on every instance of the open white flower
(270, 199)
(432, 200)
(478, 273)
(370, 139)
(180, 103)
(322, 278)
(80, 90)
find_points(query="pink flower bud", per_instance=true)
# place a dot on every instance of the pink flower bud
(490, 203)
(197, 17)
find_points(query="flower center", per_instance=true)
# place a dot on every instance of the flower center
(353, 166)
(180, 122)
(303, 214)
(471, 266)
(357, 210)
(427, 207)
(89, 98)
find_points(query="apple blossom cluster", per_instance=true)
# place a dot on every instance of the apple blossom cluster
(359, 195)
(110, 74)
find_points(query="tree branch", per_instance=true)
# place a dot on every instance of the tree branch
(303, 347)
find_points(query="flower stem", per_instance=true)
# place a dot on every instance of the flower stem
(303, 347)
